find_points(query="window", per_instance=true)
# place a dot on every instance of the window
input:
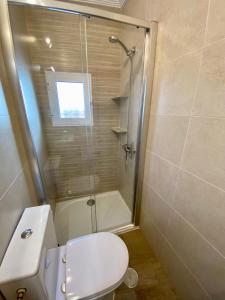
(69, 98)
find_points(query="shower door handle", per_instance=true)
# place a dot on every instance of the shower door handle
(129, 150)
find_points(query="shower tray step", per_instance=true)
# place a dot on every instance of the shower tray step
(119, 130)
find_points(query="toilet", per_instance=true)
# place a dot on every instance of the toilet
(88, 267)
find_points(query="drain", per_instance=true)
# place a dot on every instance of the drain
(91, 202)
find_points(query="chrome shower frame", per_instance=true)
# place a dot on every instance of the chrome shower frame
(148, 73)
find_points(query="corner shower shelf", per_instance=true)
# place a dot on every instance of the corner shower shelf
(120, 98)
(119, 130)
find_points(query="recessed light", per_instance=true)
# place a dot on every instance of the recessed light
(47, 40)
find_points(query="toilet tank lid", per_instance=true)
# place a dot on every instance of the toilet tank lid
(22, 258)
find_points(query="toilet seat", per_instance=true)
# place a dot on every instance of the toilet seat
(95, 265)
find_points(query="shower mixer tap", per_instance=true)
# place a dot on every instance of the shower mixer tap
(129, 150)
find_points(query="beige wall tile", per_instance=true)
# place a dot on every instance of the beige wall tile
(9, 158)
(167, 135)
(185, 283)
(153, 10)
(211, 88)
(11, 207)
(204, 261)
(16, 191)
(161, 175)
(145, 204)
(174, 86)
(182, 27)
(203, 206)
(180, 48)
(150, 232)
(216, 21)
(156, 209)
(204, 153)
(136, 9)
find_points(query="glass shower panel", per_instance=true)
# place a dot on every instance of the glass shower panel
(51, 60)
(130, 112)
(116, 84)
(81, 79)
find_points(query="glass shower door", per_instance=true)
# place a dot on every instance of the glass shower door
(50, 50)
(81, 80)
(115, 61)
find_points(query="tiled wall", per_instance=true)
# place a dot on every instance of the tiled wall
(70, 148)
(15, 194)
(183, 211)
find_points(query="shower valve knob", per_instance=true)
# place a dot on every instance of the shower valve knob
(129, 149)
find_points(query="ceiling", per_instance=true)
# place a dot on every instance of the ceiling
(112, 3)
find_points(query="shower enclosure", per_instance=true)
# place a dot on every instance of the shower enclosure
(81, 79)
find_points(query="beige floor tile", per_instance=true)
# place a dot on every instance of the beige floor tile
(153, 283)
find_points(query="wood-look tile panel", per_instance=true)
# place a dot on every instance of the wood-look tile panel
(79, 155)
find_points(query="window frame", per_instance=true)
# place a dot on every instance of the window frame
(52, 78)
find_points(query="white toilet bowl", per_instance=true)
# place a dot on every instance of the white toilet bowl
(88, 267)
(92, 266)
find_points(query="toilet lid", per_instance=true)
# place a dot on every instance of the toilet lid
(94, 263)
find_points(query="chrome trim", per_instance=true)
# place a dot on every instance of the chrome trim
(63, 287)
(148, 75)
(26, 233)
(85, 10)
(12, 76)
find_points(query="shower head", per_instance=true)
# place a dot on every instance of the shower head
(114, 39)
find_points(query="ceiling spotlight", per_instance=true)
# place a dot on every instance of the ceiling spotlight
(47, 40)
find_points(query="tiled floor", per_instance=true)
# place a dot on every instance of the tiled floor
(153, 282)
